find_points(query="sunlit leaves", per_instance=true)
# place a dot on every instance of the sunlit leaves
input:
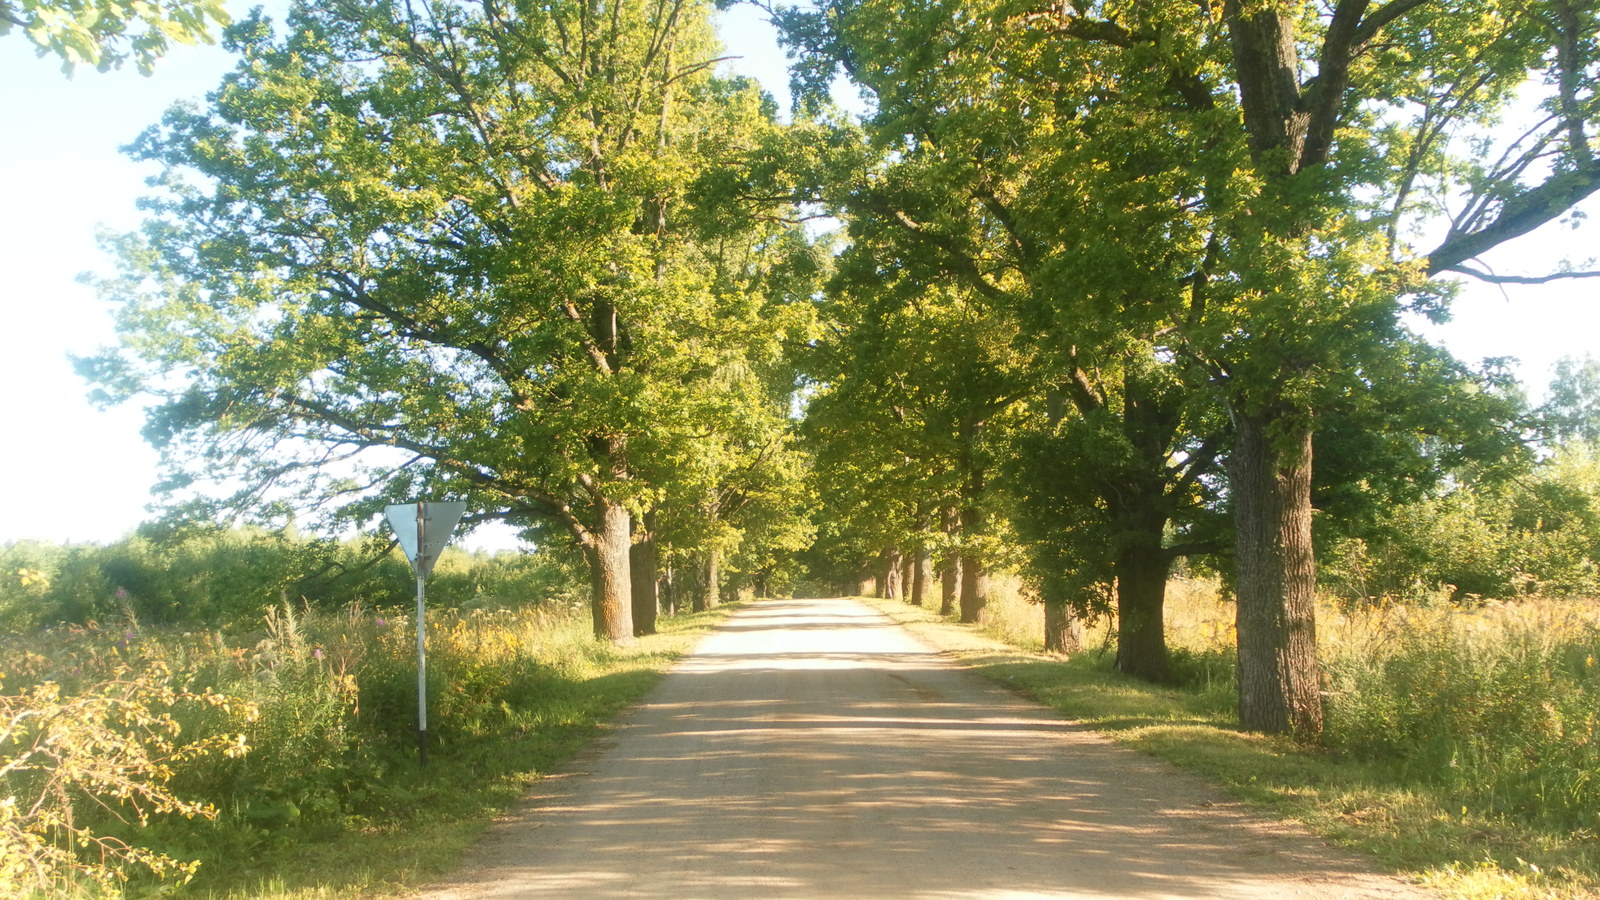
(106, 33)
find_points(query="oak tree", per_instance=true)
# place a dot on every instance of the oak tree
(500, 251)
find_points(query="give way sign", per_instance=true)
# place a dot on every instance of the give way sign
(424, 529)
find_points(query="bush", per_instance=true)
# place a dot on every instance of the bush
(1499, 706)
(233, 577)
(72, 762)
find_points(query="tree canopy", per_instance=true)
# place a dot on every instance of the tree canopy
(107, 33)
(1111, 275)
(510, 254)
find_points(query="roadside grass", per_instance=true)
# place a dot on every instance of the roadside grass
(1409, 820)
(427, 824)
(330, 800)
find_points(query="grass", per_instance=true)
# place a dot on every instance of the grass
(331, 801)
(1461, 753)
(1407, 820)
(471, 779)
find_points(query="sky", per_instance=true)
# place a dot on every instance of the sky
(70, 472)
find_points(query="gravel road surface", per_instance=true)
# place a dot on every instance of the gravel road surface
(815, 749)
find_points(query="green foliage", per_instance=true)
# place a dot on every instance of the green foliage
(218, 576)
(1571, 411)
(1497, 707)
(284, 737)
(74, 761)
(1533, 535)
(538, 259)
(107, 33)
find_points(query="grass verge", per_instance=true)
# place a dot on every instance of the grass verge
(1404, 824)
(433, 814)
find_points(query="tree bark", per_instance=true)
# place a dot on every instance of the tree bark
(1063, 631)
(922, 575)
(607, 551)
(710, 594)
(669, 586)
(950, 584)
(646, 581)
(950, 571)
(974, 571)
(1279, 676)
(974, 588)
(1141, 594)
(891, 587)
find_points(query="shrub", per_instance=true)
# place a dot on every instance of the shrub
(1499, 706)
(70, 761)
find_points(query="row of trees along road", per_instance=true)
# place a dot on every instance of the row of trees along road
(1204, 222)
(1109, 266)
(515, 254)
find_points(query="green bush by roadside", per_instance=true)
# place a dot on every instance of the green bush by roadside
(220, 577)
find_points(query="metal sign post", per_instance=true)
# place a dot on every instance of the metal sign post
(423, 545)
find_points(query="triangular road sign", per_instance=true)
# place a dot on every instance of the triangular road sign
(423, 545)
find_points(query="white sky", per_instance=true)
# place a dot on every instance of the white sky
(74, 473)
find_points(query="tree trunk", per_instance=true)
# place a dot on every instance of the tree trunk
(891, 587)
(607, 551)
(974, 588)
(974, 524)
(645, 577)
(974, 571)
(1141, 593)
(669, 586)
(1279, 677)
(710, 594)
(921, 575)
(1063, 631)
(950, 570)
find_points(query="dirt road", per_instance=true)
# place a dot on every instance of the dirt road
(814, 749)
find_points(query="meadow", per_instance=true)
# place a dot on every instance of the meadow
(274, 755)
(1461, 750)
(279, 758)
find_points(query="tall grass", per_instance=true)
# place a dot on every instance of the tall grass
(1495, 706)
(1461, 743)
(319, 724)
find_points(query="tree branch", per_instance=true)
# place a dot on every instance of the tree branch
(1492, 278)
(1520, 215)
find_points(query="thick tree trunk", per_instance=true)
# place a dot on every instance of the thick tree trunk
(974, 588)
(1063, 631)
(950, 584)
(645, 577)
(1279, 677)
(950, 570)
(921, 575)
(1141, 594)
(611, 602)
(974, 570)
(891, 587)
(710, 594)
